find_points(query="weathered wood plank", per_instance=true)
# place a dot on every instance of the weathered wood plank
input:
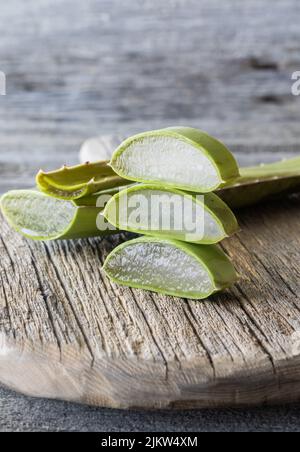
(67, 332)
(77, 69)
(48, 110)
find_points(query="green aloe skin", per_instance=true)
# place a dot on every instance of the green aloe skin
(174, 161)
(259, 183)
(171, 267)
(178, 157)
(237, 187)
(154, 210)
(41, 217)
(79, 181)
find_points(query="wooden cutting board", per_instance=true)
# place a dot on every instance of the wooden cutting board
(66, 332)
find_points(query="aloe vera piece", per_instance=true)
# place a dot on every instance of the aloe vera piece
(41, 217)
(178, 157)
(170, 267)
(79, 181)
(262, 182)
(154, 210)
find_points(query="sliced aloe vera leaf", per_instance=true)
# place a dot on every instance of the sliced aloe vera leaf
(178, 157)
(171, 213)
(78, 181)
(171, 267)
(259, 183)
(41, 217)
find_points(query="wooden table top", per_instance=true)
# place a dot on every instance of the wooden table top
(223, 67)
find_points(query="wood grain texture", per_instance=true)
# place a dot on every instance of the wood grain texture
(77, 69)
(66, 332)
(222, 66)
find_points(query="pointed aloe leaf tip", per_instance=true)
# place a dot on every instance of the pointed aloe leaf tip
(76, 182)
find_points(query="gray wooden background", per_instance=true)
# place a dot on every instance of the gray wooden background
(76, 69)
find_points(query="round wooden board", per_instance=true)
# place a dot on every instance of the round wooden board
(66, 332)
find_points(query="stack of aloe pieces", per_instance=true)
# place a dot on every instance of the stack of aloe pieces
(178, 254)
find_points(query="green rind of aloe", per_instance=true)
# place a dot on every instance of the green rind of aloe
(208, 153)
(171, 267)
(211, 219)
(80, 181)
(237, 187)
(40, 217)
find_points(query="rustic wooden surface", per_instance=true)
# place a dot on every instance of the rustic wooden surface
(221, 66)
(76, 69)
(66, 332)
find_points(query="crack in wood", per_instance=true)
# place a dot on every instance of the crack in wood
(69, 298)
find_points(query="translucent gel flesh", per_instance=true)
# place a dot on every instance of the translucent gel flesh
(159, 266)
(169, 160)
(172, 214)
(37, 215)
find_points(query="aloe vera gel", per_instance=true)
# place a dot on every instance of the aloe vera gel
(41, 217)
(171, 213)
(179, 168)
(183, 158)
(171, 267)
